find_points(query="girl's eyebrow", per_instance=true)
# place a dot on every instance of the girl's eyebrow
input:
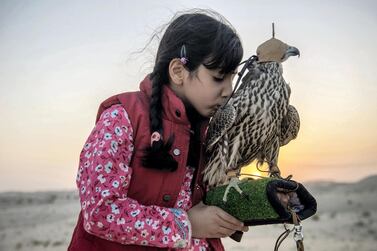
(217, 73)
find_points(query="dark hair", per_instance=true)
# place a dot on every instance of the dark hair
(209, 40)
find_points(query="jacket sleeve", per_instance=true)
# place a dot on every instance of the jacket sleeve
(103, 180)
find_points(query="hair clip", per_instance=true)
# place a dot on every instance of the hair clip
(156, 136)
(183, 58)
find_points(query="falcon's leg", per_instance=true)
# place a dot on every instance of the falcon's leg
(272, 159)
(233, 183)
(275, 172)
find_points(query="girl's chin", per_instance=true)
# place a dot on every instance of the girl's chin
(206, 113)
(211, 113)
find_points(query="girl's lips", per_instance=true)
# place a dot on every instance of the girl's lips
(214, 109)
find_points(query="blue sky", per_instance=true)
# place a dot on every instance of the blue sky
(60, 59)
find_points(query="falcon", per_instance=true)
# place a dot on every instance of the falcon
(256, 120)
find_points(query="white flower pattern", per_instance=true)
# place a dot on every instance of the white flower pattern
(103, 178)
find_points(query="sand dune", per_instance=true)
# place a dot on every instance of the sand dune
(346, 220)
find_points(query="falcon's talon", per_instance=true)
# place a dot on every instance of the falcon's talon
(276, 175)
(233, 183)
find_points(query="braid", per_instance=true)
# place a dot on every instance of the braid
(157, 155)
(156, 105)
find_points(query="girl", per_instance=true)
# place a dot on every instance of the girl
(139, 176)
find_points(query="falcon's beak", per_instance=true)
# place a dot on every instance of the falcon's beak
(291, 51)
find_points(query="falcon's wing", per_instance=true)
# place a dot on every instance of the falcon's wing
(220, 123)
(289, 126)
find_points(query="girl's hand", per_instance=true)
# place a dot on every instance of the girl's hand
(213, 222)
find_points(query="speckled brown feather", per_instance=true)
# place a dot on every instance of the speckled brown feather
(256, 121)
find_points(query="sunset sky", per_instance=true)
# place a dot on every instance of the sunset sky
(60, 59)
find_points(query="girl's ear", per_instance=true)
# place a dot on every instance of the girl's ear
(176, 71)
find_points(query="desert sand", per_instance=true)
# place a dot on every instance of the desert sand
(346, 220)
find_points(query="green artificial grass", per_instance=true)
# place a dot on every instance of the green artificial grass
(257, 208)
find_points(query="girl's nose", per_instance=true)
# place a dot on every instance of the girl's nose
(227, 90)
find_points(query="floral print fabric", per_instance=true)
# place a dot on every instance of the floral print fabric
(103, 179)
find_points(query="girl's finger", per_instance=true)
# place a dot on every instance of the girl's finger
(225, 232)
(229, 221)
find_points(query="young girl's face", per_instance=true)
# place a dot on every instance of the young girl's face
(206, 90)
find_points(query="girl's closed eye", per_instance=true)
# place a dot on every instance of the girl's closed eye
(218, 78)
